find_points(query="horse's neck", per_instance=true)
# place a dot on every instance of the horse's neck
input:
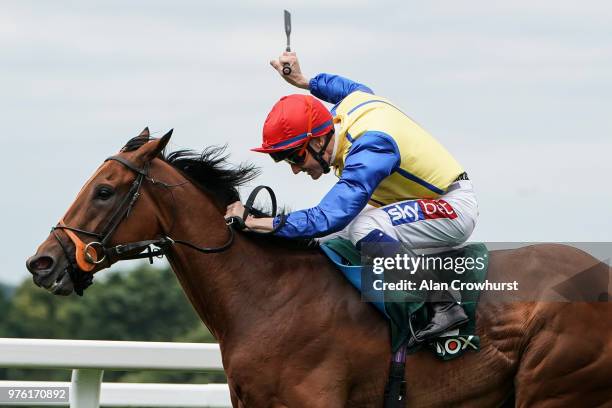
(225, 287)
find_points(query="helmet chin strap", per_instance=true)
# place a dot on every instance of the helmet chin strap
(318, 156)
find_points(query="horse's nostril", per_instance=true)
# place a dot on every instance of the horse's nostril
(40, 263)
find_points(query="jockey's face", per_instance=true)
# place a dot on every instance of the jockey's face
(311, 165)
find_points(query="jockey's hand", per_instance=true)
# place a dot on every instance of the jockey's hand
(235, 209)
(295, 78)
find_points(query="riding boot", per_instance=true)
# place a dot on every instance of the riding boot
(447, 315)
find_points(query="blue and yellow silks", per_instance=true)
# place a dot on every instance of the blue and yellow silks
(382, 157)
(426, 168)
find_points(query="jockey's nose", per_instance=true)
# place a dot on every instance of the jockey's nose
(40, 264)
(296, 169)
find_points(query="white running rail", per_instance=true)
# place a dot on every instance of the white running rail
(89, 358)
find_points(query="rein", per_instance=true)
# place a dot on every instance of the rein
(86, 255)
(239, 222)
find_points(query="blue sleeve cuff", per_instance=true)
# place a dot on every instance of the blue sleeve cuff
(313, 86)
(275, 221)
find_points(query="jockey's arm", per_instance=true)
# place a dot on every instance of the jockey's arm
(260, 224)
(327, 87)
(334, 88)
(373, 157)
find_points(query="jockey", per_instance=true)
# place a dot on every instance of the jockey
(396, 182)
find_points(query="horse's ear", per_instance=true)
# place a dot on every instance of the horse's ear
(153, 148)
(145, 132)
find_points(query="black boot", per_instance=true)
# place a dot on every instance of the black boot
(448, 315)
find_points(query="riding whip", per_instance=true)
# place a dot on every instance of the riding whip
(286, 66)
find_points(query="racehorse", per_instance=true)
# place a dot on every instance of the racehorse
(292, 331)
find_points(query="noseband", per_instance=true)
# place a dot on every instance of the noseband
(86, 254)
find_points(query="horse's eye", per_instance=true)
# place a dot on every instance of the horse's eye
(104, 193)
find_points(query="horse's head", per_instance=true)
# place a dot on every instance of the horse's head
(111, 208)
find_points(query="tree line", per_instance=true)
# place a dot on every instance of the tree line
(143, 304)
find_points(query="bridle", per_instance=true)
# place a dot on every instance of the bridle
(86, 254)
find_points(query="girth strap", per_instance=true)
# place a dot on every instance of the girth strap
(395, 391)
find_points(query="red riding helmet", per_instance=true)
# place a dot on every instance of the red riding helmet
(292, 122)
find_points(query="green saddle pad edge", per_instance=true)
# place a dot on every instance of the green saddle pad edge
(400, 311)
(346, 249)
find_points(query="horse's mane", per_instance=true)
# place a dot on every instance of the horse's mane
(211, 172)
(208, 169)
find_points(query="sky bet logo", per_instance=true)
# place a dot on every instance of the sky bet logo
(417, 210)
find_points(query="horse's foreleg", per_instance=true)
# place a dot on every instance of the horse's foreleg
(236, 403)
(318, 401)
(322, 386)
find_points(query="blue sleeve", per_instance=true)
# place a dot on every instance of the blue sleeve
(372, 157)
(334, 88)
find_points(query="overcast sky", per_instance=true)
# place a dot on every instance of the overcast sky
(519, 91)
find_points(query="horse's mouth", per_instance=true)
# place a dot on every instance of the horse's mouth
(62, 285)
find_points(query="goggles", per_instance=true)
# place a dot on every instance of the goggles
(295, 156)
